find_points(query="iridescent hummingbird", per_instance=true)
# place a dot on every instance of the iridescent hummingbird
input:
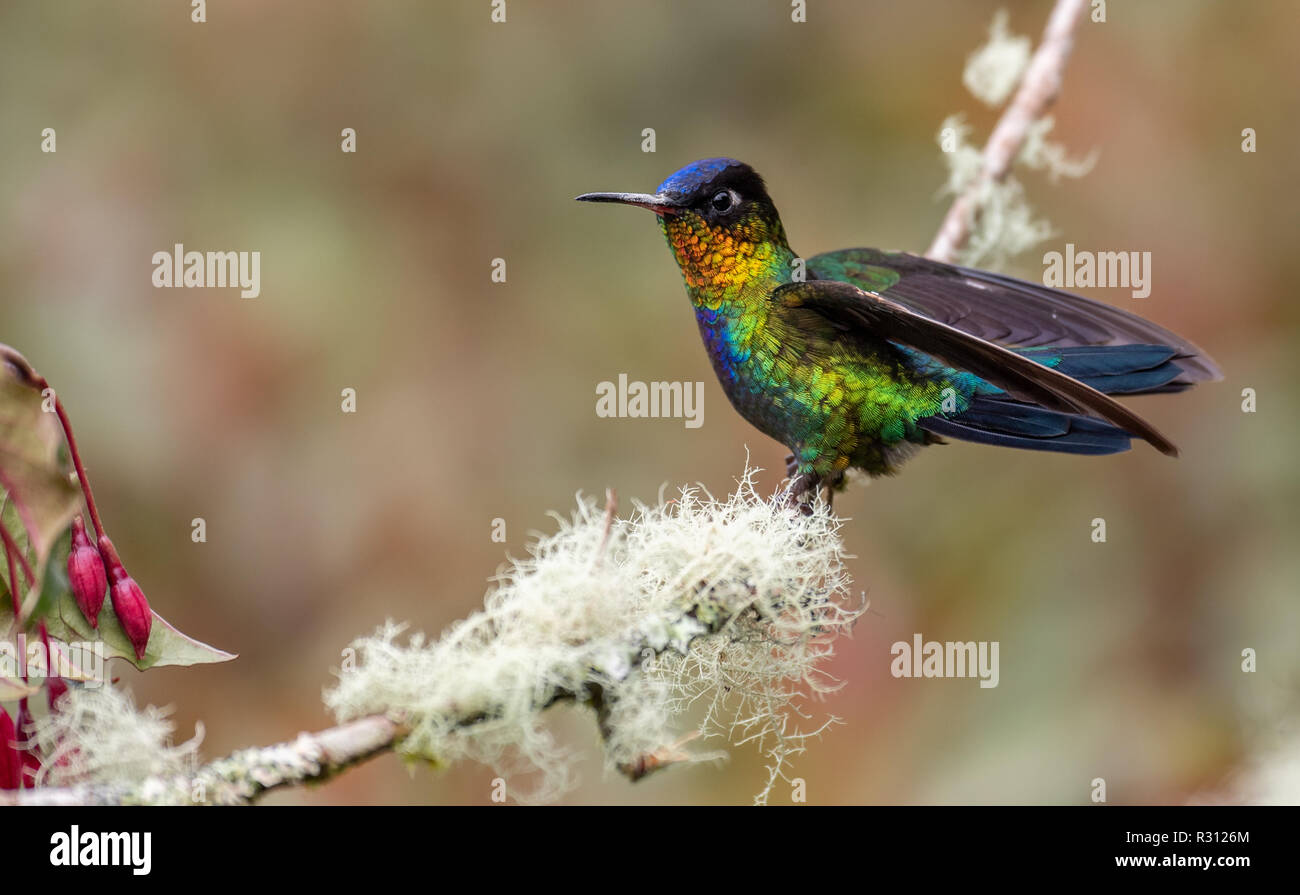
(869, 355)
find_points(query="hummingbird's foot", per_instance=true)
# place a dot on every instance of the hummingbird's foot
(802, 491)
(833, 484)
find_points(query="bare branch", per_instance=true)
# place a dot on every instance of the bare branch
(1038, 90)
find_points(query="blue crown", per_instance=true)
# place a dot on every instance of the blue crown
(687, 180)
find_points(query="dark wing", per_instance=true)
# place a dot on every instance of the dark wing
(850, 310)
(1003, 309)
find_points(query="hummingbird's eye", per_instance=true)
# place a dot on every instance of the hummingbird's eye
(723, 200)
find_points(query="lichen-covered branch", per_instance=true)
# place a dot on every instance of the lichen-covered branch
(731, 604)
(239, 778)
(1038, 89)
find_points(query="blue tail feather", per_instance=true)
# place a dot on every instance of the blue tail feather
(1011, 424)
(992, 417)
(1113, 369)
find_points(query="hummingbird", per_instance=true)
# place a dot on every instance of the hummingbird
(858, 358)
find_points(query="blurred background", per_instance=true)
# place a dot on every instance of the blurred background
(476, 400)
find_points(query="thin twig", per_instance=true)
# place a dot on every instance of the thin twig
(30, 377)
(1038, 90)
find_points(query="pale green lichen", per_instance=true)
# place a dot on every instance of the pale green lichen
(1001, 222)
(98, 736)
(1272, 778)
(993, 70)
(1039, 154)
(729, 604)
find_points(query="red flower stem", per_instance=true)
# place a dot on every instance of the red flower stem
(51, 677)
(76, 458)
(40, 383)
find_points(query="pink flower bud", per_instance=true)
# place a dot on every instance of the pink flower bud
(11, 760)
(86, 573)
(133, 612)
(129, 603)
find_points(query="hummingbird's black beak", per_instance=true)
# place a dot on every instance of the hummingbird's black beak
(660, 205)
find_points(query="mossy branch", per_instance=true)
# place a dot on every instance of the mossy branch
(734, 602)
(238, 779)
